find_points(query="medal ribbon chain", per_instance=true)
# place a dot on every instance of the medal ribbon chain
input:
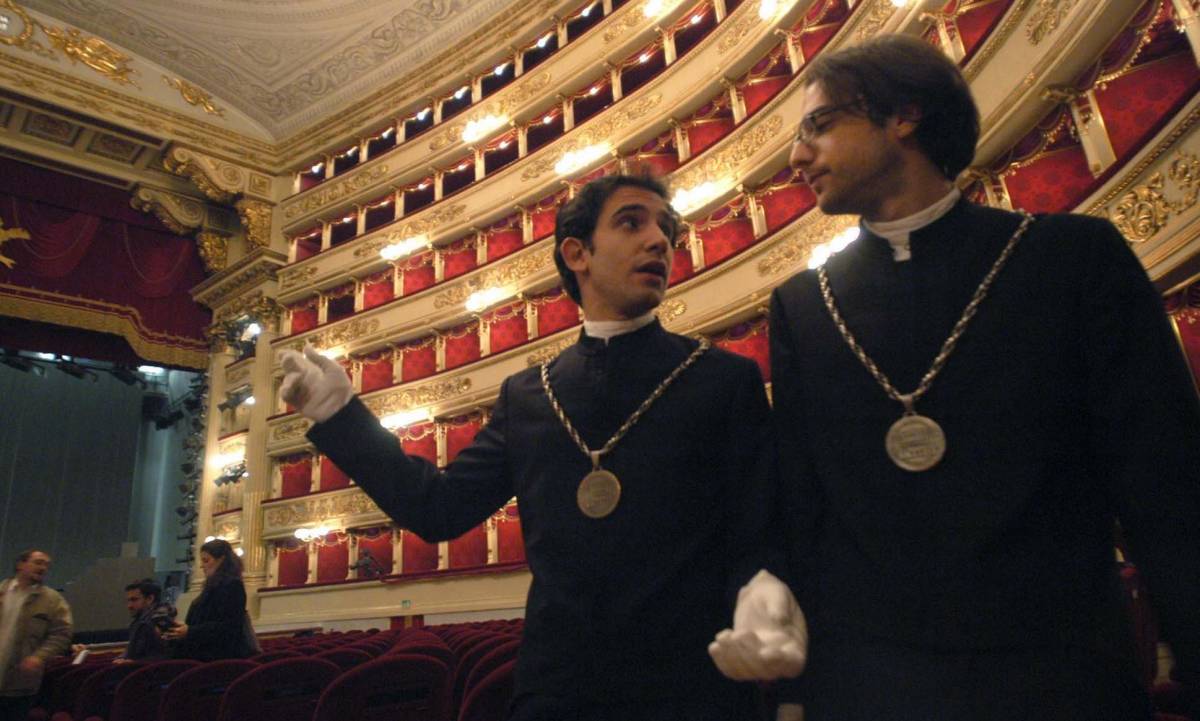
(947, 347)
(612, 442)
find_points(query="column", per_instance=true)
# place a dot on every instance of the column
(351, 554)
(257, 484)
(696, 247)
(683, 145)
(397, 551)
(1187, 20)
(212, 432)
(668, 44)
(326, 235)
(614, 77)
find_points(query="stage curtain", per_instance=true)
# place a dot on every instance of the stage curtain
(377, 542)
(377, 370)
(420, 440)
(458, 257)
(377, 289)
(418, 359)
(295, 472)
(293, 563)
(418, 272)
(725, 232)
(333, 557)
(332, 477)
(460, 431)
(304, 315)
(469, 549)
(749, 340)
(555, 311)
(418, 554)
(510, 544)
(504, 237)
(462, 344)
(94, 263)
(507, 327)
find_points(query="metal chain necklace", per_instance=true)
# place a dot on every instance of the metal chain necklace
(600, 490)
(916, 442)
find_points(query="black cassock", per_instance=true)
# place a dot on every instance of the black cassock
(621, 608)
(970, 589)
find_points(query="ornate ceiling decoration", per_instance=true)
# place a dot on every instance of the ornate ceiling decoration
(288, 63)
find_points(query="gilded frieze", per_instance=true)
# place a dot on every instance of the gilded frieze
(194, 96)
(77, 47)
(740, 29)
(792, 250)
(291, 429)
(624, 25)
(550, 352)
(447, 137)
(229, 530)
(1143, 211)
(323, 508)
(671, 309)
(592, 135)
(214, 250)
(418, 397)
(292, 278)
(876, 17)
(338, 335)
(255, 305)
(724, 164)
(246, 273)
(256, 219)
(1044, 19)
(425, 225)
(336, 192)
(507, 274)
(6, 235)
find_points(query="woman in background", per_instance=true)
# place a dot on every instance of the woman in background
(216, 625)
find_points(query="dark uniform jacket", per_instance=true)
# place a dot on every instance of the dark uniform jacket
(624, 606)
(217, 625)
(1066, 406)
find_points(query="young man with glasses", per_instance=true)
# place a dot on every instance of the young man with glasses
(967, 401)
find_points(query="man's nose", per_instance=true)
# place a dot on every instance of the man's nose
(800, 156)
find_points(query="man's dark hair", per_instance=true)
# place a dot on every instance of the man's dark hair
(148, 588)
(23, 556)
(230, 568)
(577, 218)
(890, 73)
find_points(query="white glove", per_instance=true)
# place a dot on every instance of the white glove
(769, 639)
(317, 386)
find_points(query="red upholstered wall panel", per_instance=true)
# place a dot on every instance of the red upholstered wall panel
(418, 273)
(508, 332)
(502, 242)
(460, 432)
(462, 345)
(377, 542)
(1136, 105)
(377, 291)
(333, 558)
(543, 222)
(509, 545)
(1188, 324)
(304, 316)
(295, 473)
(750, 340)
(293, 563)
(977, 23)
(757, 93)
(703, 134)
(332, 476)
(420, 440)
(418, 361)
(556, 314)
(1054, 183)
(681, 266)
(377, 372)
(418, 555)
(469, 549)
(725, 240)
(457, 262)
(783, 205)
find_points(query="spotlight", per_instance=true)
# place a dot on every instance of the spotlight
(71, 368)
(13, 359)
(166, 421)
(127, 376)
(188, 468)
(233, 399)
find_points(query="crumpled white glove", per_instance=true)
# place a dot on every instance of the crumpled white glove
(769, 638)
(317, 386)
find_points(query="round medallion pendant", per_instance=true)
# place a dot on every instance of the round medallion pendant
(598, 494)
(915, 443)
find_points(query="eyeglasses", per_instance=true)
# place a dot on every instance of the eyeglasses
(816, 123)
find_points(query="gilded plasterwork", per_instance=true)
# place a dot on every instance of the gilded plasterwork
(335, 192)
(237, 376)
(291, 429)
(725, 163)
(178, 212)
(791, 252)
(256, 219)
(77, 47)
(255, 305)
(741, 28)
(425, 225)
(876, 16)
(418, 397)
(312, 510)
(7, 234)
(229, 530)
(1044, 19)
(291, 278)
(507, 274)
(592, 135)
(339, 334)
(671, 309)
(214, 250)
(550, 352)
(1145, 210)
(194, 96)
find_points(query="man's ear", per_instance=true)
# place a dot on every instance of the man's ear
(574, 254)
(906, 120)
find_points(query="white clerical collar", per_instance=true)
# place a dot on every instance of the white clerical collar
(606, 329)
(897, 232)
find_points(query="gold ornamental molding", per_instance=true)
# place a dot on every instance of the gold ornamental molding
(741, 28)
(671, 309)
(338, 335)
(875, 19)
(291, 278)
(335, 192)
(256, 305)
(550, 352)
(624, 25)
(419, 397)
(233, 445)
(77, 47)
(1141, 213)
(237, 376)
(229, 529)
(592, 135)
(1098, 208)
(220, 180)
(243, 277)
(792, 250)
(507, 274)
(724, 163)
(182, 214)
(996, 40)
(256, 219)
(286, 516)
(7, 234)
(194, 95)
(424, 225)
(214, 250)
(504, 106)
(291, 429)
(1045, 18)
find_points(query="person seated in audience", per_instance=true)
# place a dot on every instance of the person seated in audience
(150, 617)
(637, 456)
(217, 625)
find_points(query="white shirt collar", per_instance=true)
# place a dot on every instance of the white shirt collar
(897, 232)
(607, 329)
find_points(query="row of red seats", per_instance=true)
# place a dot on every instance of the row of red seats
(461, 672)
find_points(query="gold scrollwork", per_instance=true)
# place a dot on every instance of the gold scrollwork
(292, 278)
(336, 192)
(218, 180)
(263, 309)
(1045, 18)
(1143, 211)
(447, 137)
(339, 334)
(354, 503)
(422, 226)
(92, 52)
(195, 96)
(793, 249)
(7, 234)
(418, 397)
(875, 18)
(671, 309)
(507, 274)
(735, 34)
(291, 429)
(178, 212)
(214, 250)
(229, 531)
(550, 352)
(593, 135)
(256, 219)
(724, 163)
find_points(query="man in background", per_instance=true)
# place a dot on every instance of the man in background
(35, 626)
(150, 616)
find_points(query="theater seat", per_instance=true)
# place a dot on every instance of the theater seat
(195, 695)
(345, 658)
(396, 687)
(489, 662)
(489, 700)
(97, 691)
(269, 656)
(283, 690)
(467, 659)
(138, 695)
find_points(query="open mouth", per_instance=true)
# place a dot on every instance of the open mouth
(655, 267)
(811, 178)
